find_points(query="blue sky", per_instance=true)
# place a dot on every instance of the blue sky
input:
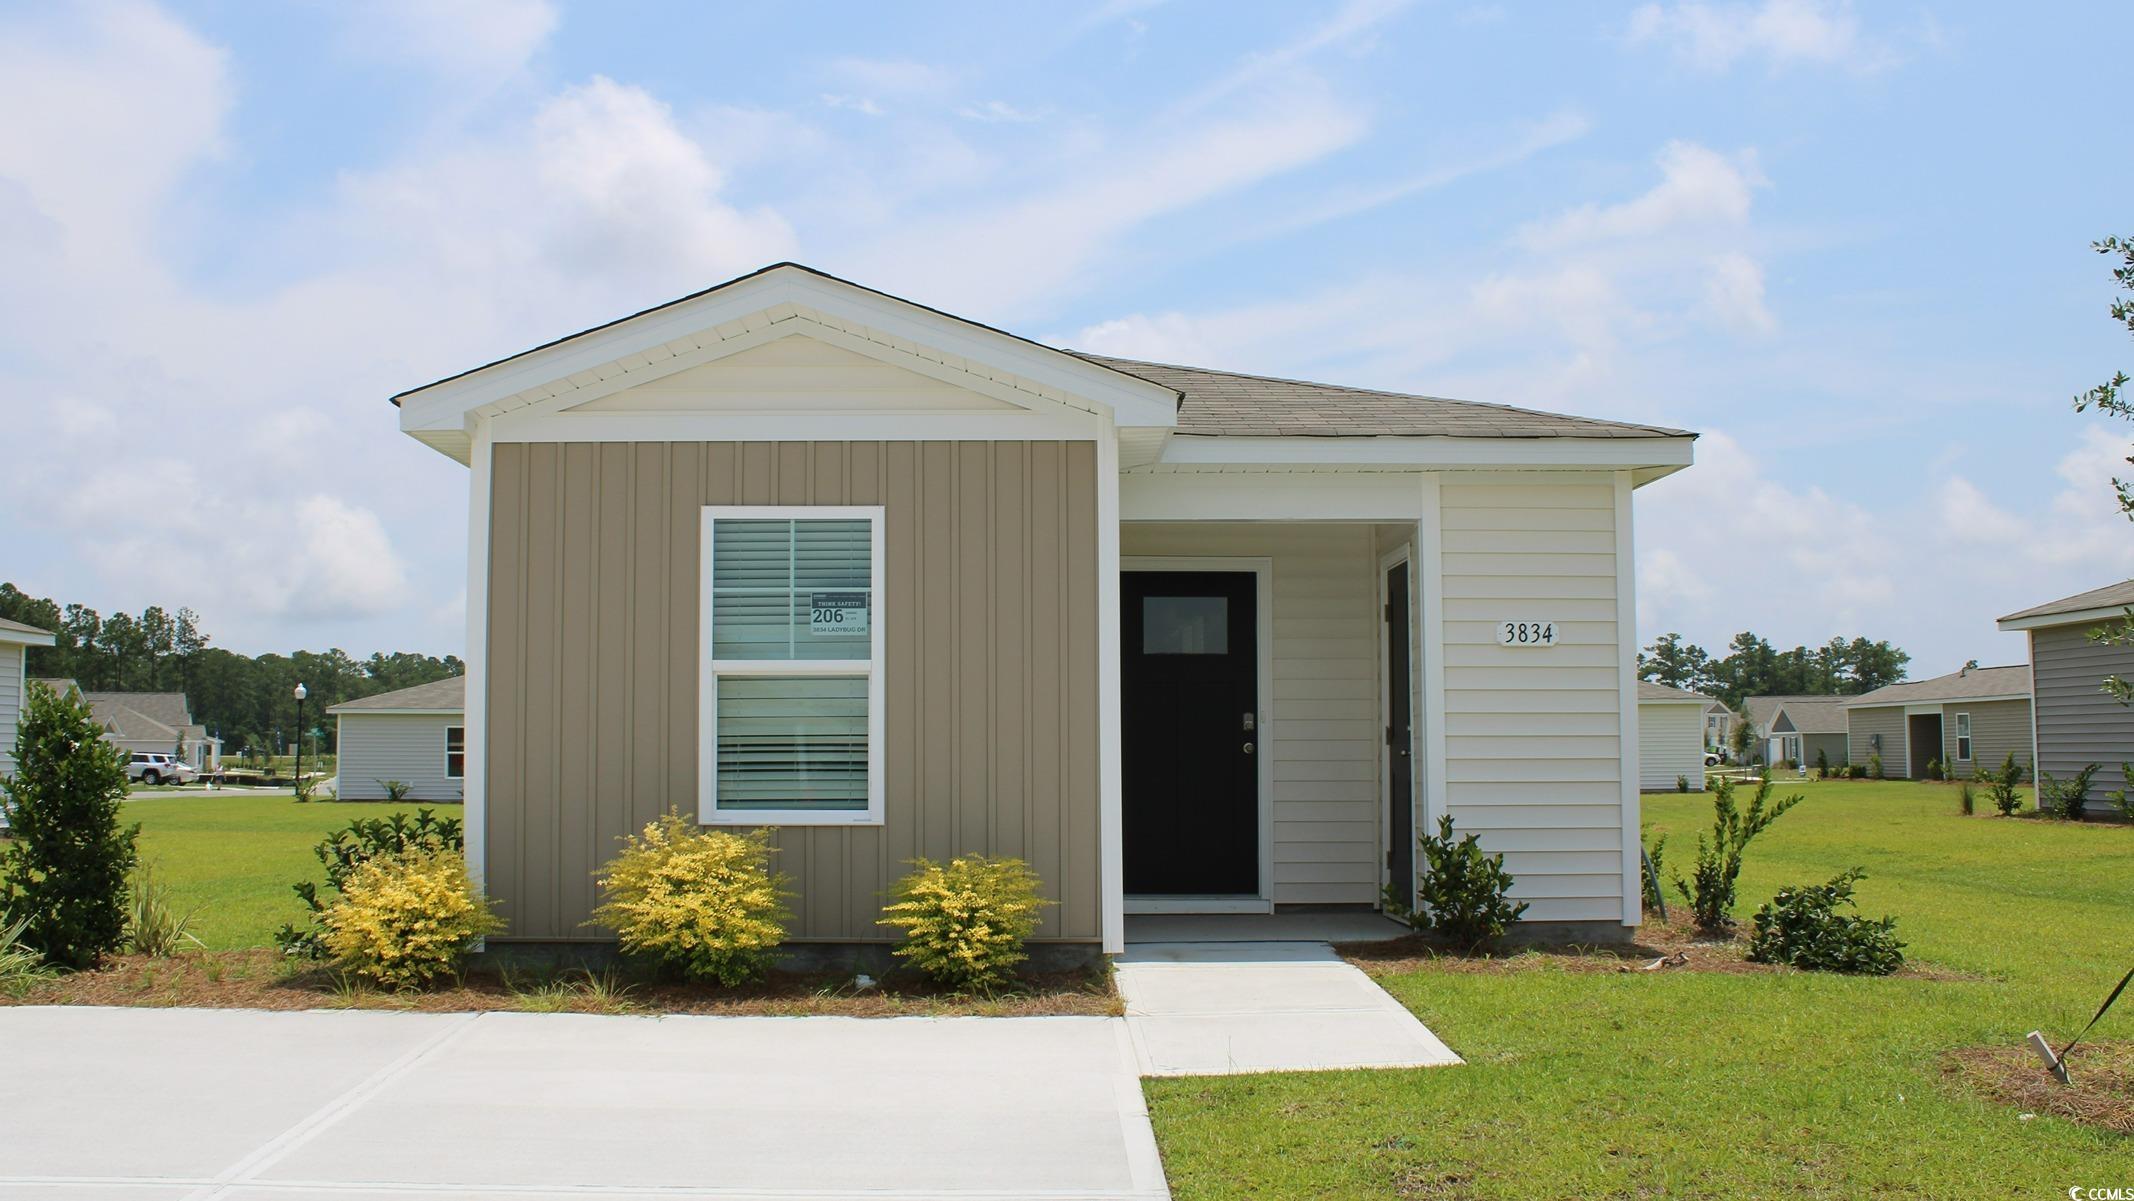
(1847, 244)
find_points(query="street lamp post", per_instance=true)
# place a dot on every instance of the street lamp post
(301, 693)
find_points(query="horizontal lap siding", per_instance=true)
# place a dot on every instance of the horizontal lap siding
(1997, 728)
(1670, 745)
(990, 600)
(406, 747)
(2078, 722)
(11, 701)
(1324, 722)
(1533, 737)
(1863, 724)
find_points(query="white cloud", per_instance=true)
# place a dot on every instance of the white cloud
(1698, 188)
(1734, 293)
(1713, 37)
(470, 41)
(864, 105)
(1000, 112)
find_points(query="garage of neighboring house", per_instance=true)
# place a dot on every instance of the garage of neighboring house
(1670, 737)
(415, 736)
(1959, 722)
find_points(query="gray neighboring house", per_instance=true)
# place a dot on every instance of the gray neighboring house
(154, 722)
(15, 641)
(1670, 737)
(2076, 722)
(1967, 719)
(1798, 728)
(417, 736)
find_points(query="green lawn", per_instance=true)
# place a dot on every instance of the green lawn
(1584, 1084)
(236, 856)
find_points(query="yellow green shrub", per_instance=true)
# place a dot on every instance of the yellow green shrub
(701, 903)
(404, 920)
(965, 922)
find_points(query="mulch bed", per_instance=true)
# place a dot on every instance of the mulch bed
(1661, 948)
(2102, 1094)
(265, 979)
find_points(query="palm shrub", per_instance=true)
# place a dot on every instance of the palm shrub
(1710, 888)
(2066, 799)
(64, 874)
(1803, 927)
(396, 791)
(2000, 785)
(1464, 895)
(965, 921)
(404, 920)
(20, 967)
(702, 904)
(156, 925)
(355, 844)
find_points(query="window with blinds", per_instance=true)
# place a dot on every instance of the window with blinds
(792, 684)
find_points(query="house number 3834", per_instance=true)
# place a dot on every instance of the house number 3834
(1526, 633)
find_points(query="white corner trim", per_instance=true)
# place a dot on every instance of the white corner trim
(1430, 560)
(1626, 632)
(1111, 807)
(474, 782)
(1605, 453)
(710, 668)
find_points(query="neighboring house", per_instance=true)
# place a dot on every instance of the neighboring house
(1670, 737)
(1796, 729)
(2077, 722)
(793, 552)
(415, 735)
(161, 722)
(1719, 725)
(1965, 720)
(15, 641)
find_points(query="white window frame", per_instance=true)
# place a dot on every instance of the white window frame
(1963, 738)
(461, 774)
(711, 669)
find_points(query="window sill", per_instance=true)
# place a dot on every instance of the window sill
(796, 817)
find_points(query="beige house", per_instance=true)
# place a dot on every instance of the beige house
(1964, 720)
(2077, 722)
(413, 736)
(792, 552)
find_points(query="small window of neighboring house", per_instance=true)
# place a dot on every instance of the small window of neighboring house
(1963, 738)
(455, 752)
(790, 696)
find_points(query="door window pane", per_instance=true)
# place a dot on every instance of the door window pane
(792, 588)
(792, 743)
(1185, 625)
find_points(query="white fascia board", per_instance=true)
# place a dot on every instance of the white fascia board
(1135, 401)
(26, 638)
(1934, 705)
(1435, 452)
(699, 426)
(2073, 618)
(1289, 496)
(397, 712)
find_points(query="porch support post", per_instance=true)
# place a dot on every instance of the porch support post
(1111, 846)
(474, 772)
(1430, 581)
(1626, 633)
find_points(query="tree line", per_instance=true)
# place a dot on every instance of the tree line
(247, 702)
(1753, 667)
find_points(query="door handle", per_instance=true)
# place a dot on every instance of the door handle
(1248, 748)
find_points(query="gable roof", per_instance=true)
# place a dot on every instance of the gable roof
(1762, 710)
(1979, 683)
(1813, 714)
(143, 716)
(1232, 405)
(448, 695)
(2082, 606)
(1649, 691)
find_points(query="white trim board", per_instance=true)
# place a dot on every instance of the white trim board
(1284, 496)
(1262, 568)
(474, 784)
(1626, 631)
(1436, 451)
(2073, 617)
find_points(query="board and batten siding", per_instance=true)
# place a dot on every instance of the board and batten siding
(408, 747)
(1324, 694)
(1997, 728)
(2078, 722)
(1670, 745)
(11, 702)
(991, 640)
(1533, 736)
(1886, 720)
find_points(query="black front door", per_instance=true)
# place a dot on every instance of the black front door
(1400, 760)
(1190, 688)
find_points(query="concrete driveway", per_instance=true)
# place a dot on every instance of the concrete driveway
(162, 1104)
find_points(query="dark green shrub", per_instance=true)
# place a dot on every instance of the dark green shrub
(2000, 785)
(2066, 799)
(1710, 888)
(355, 844)
(1934, 769)
(64, 875)
(1802, 927)
(2123, 799)
(1856, 771)
(1681, 783)
(1650, 867)
(1822, 764)
(1463, 894)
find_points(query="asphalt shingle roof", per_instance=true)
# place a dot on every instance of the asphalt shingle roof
(2111, 596)
(446, 695)
(1228, 404)
(142, 716)
(1815, 714)
(2013, 680)
(1649, 691)
(16, 627)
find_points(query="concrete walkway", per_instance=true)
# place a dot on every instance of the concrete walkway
(171, 1104)
(1222, 1008)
